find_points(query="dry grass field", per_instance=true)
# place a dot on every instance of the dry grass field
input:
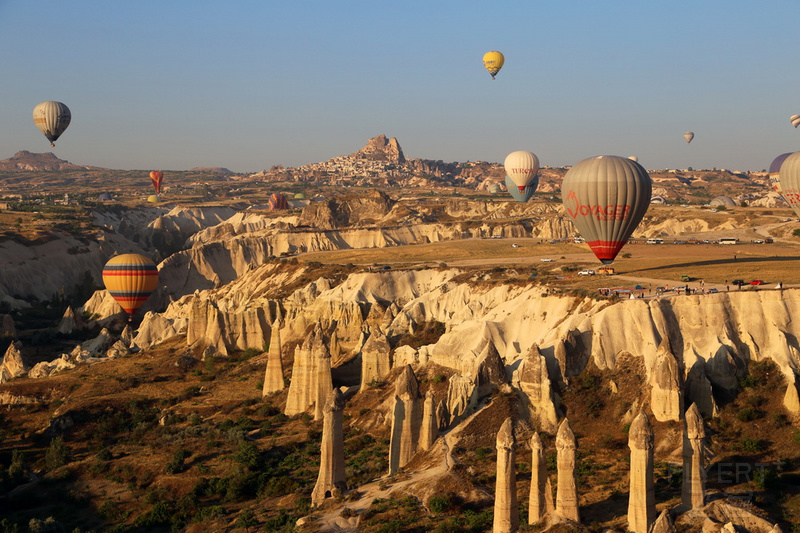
(714, 264)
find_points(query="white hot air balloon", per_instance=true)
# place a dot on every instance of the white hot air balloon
(689, 135)
(52, 118)
(521, 167)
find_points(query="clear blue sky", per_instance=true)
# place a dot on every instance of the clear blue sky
(248, 84)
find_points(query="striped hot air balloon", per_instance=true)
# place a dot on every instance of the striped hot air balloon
(790, 181)
(130, 279)
(52, 118)
(795, 120)
(606, 197)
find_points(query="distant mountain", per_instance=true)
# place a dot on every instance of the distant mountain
(29, 161)
(214, 170)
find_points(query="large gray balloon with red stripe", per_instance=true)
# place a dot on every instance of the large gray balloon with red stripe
(606, 197)
(790, 181)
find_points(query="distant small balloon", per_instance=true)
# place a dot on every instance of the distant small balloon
(775, 171)
(633, 158)
(156, 177)
(493, 61)
(795, 120)
(689, 135)
(52, 118)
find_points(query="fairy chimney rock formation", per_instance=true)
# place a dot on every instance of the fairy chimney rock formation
(127, 335)
(323, 381)
(302, 387)
(430, 427)
(331, 469)
(375, 362)
(698, 390)
(506, 510)
(533, 380)
(641, 502)
(567, 490)
(405, 420)
(70, 322)
(13, 365)
(663, 524)
(791, 400)
(273, 376)
(694, 435)
(490, 371)
(666, 397)
(536, 502)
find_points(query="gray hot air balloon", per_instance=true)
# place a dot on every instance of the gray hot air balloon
(52, 118)
(606, 197)
(790, 181)
(795, 120)
(689, 135)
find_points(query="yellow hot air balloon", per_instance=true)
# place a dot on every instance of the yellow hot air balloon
(795, 120)
(493, 62)
(130, 279)
(52, 118)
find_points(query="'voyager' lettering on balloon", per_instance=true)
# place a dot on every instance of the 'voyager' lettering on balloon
(608, 212)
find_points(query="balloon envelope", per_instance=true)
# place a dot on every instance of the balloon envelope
(775, 171)
(790, 181)
(689, 135)
(606, 197)
(493, 62)
(795, 120)
(52, 118)
(521, 167)
(525, 194)
(153, 199)
(130, 279)
(156, 177)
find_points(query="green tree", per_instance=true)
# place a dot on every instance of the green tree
(57, 454)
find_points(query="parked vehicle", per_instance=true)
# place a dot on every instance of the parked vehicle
(757, 282)
(546, 260)
(737, 282)
(586, 273)
(685, 277)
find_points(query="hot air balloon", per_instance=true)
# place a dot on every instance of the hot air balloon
(633, 158)
(521, 167)
(493, 62)
(130, 279)
(525, 194)
(775, 171)
(156, 177)
(689, 135)
(153, 199)
(52, 118)
(606, 197)
(790, 181)
(795, 120)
